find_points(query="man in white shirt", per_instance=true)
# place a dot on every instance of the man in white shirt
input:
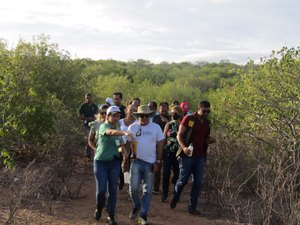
(147, 149)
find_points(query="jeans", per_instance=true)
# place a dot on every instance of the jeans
(107, 175)
(170, 163)
(141, 171)
(190, 165)
(88, 149)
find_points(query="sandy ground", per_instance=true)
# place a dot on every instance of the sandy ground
(80, 210)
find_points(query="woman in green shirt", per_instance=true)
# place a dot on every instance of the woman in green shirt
(107, 162)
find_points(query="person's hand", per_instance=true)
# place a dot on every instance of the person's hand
(121, 149)
(211, 140)
(186, 151)
(129, 135)
(156, 167)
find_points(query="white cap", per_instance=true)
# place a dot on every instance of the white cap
(113, 109)
(109, 101)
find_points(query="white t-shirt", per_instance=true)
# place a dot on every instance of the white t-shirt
(123, 127)
(146, 138)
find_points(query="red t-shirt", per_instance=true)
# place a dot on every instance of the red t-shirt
(200, 133)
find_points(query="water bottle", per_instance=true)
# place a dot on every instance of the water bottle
(191, 148)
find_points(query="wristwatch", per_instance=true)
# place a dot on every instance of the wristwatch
(158, 161)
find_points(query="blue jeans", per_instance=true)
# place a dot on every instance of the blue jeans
(187, 166)
(141, 171)
(107, 175)
(170, 163)
(88, 149)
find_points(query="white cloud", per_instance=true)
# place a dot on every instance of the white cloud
(156, 30)
(148, 4)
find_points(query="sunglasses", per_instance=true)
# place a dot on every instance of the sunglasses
(144, 116)
(103, 113)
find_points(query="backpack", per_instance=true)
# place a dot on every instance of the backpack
(187, 134)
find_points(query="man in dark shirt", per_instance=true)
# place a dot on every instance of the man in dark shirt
(161, 119)
(193, 164)
(117, 98)
(87, 113)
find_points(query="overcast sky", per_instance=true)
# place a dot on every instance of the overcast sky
(157, 30)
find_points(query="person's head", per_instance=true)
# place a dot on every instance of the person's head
(167, 103)
(185, 106)
(109, 101)
(153, 106)
(163, 108)
(176, 113)
(204, 108)
(143, 115)
(113, 115)
(89, 98)
(130, 110)
(136, 102)
(175, 103)
(102, 112)
(117, 98)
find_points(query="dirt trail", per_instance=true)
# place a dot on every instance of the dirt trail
(80, 211)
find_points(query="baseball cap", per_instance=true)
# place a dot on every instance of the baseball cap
(109, 101)
(185, 106)
(113, 109)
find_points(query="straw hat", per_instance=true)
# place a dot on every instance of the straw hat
(144, 109)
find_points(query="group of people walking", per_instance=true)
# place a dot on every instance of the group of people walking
(141, 139)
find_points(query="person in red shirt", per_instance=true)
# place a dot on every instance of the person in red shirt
(193, 164)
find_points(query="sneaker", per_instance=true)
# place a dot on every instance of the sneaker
(97, 214)
(173, 203)
(143, 221)
(134, 213)
(194, 212)
(111, 220)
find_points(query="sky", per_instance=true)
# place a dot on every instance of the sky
(156, 30)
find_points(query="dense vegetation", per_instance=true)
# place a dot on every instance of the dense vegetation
(256, 116)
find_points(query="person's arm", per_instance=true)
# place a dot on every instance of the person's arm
(159, 154)
(125, 162)
(81, 116)
(89, 119)
(91, 140)
(180, 134)
(166, 130)
(113, 132)
(210, 139)
(159, 149)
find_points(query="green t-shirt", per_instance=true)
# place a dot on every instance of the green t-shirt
(107, 148)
